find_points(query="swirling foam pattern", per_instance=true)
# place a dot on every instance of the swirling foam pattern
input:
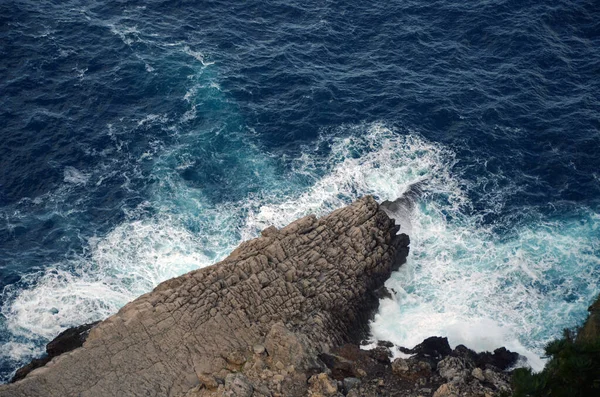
(144, 140)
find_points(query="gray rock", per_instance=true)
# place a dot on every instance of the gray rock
(237, 385)
(454, 369)
(350, 383)
(496, 378)
(400, 366)
(187, 325)
(477, 373)
(258, 349)
(353, 393)
(323, 385)
(208, 381)
(446, 390)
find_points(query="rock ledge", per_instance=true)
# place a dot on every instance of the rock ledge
(251, 325)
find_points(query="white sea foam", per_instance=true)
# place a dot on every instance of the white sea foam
(18, 351)
(80, 72)
(461, 280)
(74, 176)
(153, 119)
(128, 35)
(126, 263)
(363, 160)
(197, 55)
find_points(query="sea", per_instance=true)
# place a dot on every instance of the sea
(140, 140)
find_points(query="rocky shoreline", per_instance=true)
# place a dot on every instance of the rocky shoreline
(283, 315)
(431, 369)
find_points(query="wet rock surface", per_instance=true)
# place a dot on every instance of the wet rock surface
(253, 325)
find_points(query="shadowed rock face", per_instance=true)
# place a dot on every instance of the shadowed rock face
(276, 302)
(433, 370)
(66, 341)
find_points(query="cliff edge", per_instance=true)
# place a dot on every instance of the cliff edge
(277, 301)
(590, 330)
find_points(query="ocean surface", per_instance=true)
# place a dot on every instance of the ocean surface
(140, 140)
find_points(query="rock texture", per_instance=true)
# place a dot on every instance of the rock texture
(252, 325)
(433, 369)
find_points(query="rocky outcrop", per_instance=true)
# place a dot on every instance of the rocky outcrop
(251, 325)
(433, 369)
(590, 331)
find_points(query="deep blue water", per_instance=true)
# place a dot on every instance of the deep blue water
(143, 139)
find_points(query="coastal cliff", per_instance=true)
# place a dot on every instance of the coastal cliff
(289, 295)
(283, 315)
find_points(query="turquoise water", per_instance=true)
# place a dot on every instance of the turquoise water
(148, 139)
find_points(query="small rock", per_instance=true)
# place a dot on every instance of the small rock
(360, 372)
(422, 366)
(323, 385)
(350, 383)
(258, 349)
(208, 381)
(278, 378)
(495, 378)
(445, 390)
(269, 232)
(400, 366)
(261, 390)
(381, 354)
(477, 373)
(221, 375)
(453, 369)
(258, 365)
(237, 385)
(279, 365)
(236, 358)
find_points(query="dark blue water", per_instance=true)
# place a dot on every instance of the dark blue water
(143, 139)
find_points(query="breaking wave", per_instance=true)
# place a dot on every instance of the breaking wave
(462, 280)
